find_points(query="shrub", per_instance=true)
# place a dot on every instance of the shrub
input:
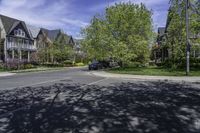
(80, 64)
(13, 64)
(181, 63)
(53, 65)
(28, 66)
(152, 63)
(1, 65)
(35, 63)
(195, 62)
(68, 63)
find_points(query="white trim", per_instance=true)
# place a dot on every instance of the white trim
(5, 50)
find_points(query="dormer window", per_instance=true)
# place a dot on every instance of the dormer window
(16, 32)
(23, 34)
(19, 32)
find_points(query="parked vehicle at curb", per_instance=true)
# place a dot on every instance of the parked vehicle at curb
(113, 64)
(95, 65)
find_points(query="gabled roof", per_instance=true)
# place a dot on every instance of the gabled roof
(51, 34)
(13, 26)
(66, 39)
(34, 31)
(10, 23)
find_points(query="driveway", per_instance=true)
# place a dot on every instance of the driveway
(79, 102)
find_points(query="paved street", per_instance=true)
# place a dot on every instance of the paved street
(77, 75)
(76, 101)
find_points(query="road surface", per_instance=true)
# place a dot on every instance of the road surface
(78, 75)
(76, 101)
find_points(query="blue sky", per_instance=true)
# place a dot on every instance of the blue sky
(71, 15)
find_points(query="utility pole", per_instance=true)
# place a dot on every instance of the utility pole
(187, 38)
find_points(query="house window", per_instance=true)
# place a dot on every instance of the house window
(20, 41)
(16, 32)
(23, 34)
(26, 41)
(10, 39)
(19, 32)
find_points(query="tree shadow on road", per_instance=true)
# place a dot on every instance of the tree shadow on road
(143, 107)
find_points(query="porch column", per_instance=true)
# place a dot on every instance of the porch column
(28, 56)
(162, 52)
(13, 54)
(20, 55)
(5, 50)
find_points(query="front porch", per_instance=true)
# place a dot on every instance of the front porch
(20, 55)
(18, 49)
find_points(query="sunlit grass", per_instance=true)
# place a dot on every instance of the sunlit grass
(154, 71)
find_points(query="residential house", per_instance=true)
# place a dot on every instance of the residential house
(34, 31)
(16, 40)
(162, 52)
(46, 39)
(80, 54)
(22, 42)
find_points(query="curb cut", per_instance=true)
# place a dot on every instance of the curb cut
(5, 74)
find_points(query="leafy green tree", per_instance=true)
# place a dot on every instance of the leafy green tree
(123, 32)
(176, 32)
(61, 50)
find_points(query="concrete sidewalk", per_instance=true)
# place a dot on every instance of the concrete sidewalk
(145, 77)
(5, 74)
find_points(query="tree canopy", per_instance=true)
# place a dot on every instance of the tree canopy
(123, 33)
(176, 30)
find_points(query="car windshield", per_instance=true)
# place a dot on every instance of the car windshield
(95, 62)
(99, 66)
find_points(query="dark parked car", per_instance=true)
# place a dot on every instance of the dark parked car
(95, 65)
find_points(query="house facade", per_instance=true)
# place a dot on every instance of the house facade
(16, 41)
(46, 39)
(21, 42)
(162, 53)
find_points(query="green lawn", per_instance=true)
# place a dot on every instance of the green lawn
(154, 71)
(2, 70)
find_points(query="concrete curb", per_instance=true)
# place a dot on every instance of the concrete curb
(5, 74)
(147, 78)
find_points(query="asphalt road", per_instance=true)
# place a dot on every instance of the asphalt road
(75, 101)
(75, 75)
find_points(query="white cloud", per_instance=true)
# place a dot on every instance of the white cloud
(41, 13)
(75, 22)
(59, 13)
